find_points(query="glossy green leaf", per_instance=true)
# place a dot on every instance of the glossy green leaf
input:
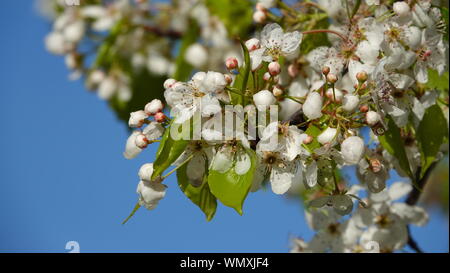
(230, 188)
(168, 151)
(436, 81)
(201, 196)
(431, 133)
(394, 144)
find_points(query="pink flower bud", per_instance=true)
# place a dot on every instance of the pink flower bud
(231, 63)
(259, 17)
(293, 70)
(277, 91)
(308, 140)
(266, 76)
(274, 68)
(332, 78)
(169, 83)
(160, 117)
(252, 44)
(228, 78)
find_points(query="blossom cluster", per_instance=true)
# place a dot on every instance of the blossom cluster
(125, 37)
(321, 89)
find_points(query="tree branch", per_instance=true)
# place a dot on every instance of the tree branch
(414, 197)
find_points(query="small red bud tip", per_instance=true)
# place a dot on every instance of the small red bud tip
(325, 70)
(228, 78)
(364, 108)
(293, 70)
(375, 165)
(361, 76)
(231, 63)
(308, 140)
(331, 78)
(160, 117)
(274, 68)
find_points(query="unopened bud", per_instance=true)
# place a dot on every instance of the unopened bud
(331, 78)
(277, 91)
(231, 63)
(141, 141)
(169, 83)
(266, 76)
(160, 117)
(364, 108)
(153, 107)
(293, 70)
(228, 78)
(361, 76)
(137, 119)
(325, 70)
(375, 165)
(259, 17)
(309, 139)
(372, 118)
(274, 68)
(252, 44)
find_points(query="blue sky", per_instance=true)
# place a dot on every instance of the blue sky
(63, 177)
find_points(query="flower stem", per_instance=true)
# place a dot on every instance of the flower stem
(177, 167)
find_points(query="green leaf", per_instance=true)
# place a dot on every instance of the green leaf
(312, 41)
(236, 15)
(241, 79)
(104, 53)
(168, 151)
(431, 133)
(314, 132)
(436, 81)
(183, 69)
(201, 196)
(230, 188)
(394, 144)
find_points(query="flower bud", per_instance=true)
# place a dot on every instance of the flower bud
(350, 102)
(196, 55)
(266, 76)
(375, 165)
(352, 150)
(277, 91)
(231, 63)
(363, 108)
(169, 83)
(372, 118)
(327, 136)
(274, 68)
(259, 17)
(150, 193)
(160, 117)
(146, 171)
(325, 70)
(228, 78)
(153, 107)
(309, 139)
(401, 8)
(361, 76)
(293, 70)
(331, 78)
(264, 98)
(312, 108)
(260, 7)
(141, 141)
(137, 119)
(252, 44)
(55, 43)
